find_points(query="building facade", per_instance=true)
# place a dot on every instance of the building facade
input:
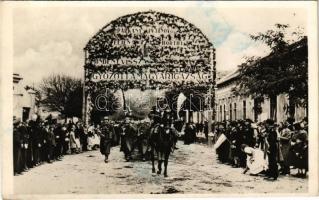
(23, 100)
(233, 107)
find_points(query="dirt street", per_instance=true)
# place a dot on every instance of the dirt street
(192, 169)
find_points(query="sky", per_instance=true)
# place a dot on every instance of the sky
(51, 39)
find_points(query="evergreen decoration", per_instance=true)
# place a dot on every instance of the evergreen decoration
(147, 42)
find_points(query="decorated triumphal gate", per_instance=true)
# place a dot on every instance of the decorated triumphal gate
(148, 50)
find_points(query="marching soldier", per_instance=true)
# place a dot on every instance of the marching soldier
(107, 135)
(127, 137)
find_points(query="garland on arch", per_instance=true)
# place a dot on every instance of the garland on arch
(152, 42)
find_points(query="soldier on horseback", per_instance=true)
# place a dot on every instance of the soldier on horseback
(162, 139)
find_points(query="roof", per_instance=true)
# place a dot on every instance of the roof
(232, 75)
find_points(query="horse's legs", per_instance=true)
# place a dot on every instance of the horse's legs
(152, 157)
(166, 163)
(159, 167)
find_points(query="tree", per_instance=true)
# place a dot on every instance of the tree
(284, 70)
(105, 103)
(62, 93)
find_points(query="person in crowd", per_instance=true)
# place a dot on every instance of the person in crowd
(95, 139)
(260, 139)
(28, 144)
(178, 124)
(205, 129)
(36, 141)
(17, 146)
(272, 149)
(234, 137)
(92, 132)
(44, 151)
(77, 139)
(107, 136)
(72, 139)
(256, 163)
(190, 133)
(51, 143)
(65, 134)
(43, 139)
(199, 128)
(59, 142)
(24, 148)
(224, 148)
(299, 150)
(80, 131)
(285, 133)
(254, 147)
(248, 131)
(69, 125)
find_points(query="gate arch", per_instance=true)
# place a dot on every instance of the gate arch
(148, 50)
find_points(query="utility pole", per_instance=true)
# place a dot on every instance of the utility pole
(84, 102)
(211, 92)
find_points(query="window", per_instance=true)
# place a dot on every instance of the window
(225, 112)
(220, 113)
(244, 109)
(235, 111)
(230, 112)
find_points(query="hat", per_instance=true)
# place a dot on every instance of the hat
(16, 121)
(249, 120)
(270, 122)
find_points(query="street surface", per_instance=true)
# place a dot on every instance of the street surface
(192, 169)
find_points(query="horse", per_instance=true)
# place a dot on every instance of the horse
(162, 140)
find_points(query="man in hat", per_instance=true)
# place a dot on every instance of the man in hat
(249, 138)
(35, 135)
(272, 143)
(24, 147)
(107, 135)
(17, 146)
(127, 138)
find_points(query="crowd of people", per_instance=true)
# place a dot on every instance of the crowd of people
(264, 148)
(44, 141)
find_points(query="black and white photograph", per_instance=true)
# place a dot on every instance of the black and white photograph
(159, 98)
